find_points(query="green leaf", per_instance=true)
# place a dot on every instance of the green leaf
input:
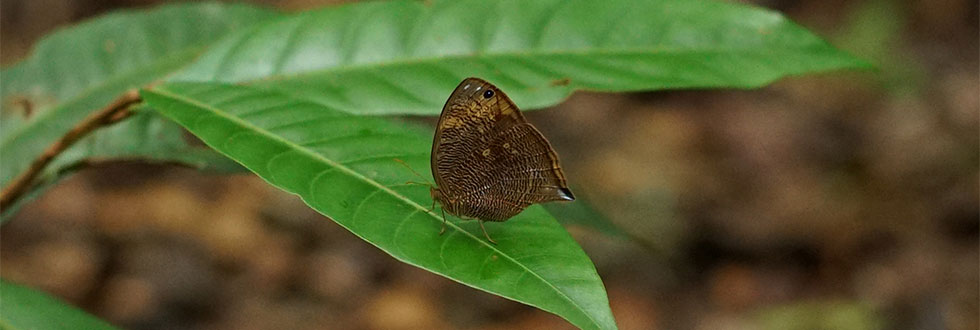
(400, 57)
(344, 167)
(25, 308)
(77, 71)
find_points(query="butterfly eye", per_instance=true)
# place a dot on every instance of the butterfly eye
(488, 94)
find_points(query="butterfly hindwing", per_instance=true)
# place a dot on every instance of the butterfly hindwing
(527, 167)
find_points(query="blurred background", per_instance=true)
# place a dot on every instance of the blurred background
(833, 201)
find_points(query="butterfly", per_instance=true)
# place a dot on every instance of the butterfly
(488, 162)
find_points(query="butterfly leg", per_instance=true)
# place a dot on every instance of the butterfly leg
(443, 230)
(485, 233)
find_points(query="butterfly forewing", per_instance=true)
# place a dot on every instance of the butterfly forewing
(487, 160)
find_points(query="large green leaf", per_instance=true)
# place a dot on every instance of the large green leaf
(24, 308)
(401, 57)
(344, 167)
(74, 72)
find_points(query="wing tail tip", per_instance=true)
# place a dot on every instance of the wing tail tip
(565, 194)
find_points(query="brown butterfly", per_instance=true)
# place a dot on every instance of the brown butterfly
(488, 162)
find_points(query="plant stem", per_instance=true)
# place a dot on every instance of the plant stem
(110, 114)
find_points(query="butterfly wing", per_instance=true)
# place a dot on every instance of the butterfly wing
(527, 167)
(487, 160)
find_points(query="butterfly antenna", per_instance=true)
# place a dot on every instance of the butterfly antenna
(426, 183)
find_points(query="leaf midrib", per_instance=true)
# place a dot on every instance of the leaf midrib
(342, 168)
(435, 59)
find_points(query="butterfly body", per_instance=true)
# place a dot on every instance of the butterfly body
(488, 162)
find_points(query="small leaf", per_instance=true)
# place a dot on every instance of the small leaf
(26, 308)
(820, 314)
(581, 213)
(400, 57)
(344, 167)
(77, 71)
